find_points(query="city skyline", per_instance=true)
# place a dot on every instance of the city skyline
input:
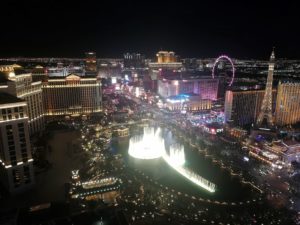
(149, 112)
(64, 29)
(155, 140)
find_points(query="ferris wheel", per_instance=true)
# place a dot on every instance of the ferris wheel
(230, 61)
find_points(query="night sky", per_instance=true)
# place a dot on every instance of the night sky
(241, 29)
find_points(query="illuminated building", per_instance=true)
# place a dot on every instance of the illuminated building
(90, 63)
(19, 83)
(15, 153)
(288, 104)
(235, 132)
(110, 68)
(72, 95)
(166, 60)
(205, 87)
(191, 64)
(166, 63)
(57, 72)
(63, 71)
(213, 128)
(39, 73)
(266, 112)
(9, 69)
(190, 105)
(157, 68)
(122, 132)
(187, 103)
(166, 57)
(104, 189)
(134, 60)
(242, 107)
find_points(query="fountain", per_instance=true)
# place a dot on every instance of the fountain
(151, 145)
(177, 155)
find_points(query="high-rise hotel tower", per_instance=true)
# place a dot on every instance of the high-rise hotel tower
(16, 163)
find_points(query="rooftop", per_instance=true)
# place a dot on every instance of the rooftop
(20, 71)
(70, 76)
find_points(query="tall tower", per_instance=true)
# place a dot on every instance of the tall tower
(266, 107)
(16, 167)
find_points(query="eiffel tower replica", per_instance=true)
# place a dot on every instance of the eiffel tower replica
(265, 117)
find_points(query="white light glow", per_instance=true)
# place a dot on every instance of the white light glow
(148, 146)
(176, 100)
(246, 159)
(137, 92)
(177, 155)
(190, 175)
(11, 75)
(113, 80)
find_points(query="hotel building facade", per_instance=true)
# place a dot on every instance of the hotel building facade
(19, 84)
(190, 105)
(166, 62)
(166, 57)
(72, 95)
(205, 87)
(288, 104)
(242, 107)
(16, 163)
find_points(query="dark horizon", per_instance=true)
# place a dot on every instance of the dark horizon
(245, 30)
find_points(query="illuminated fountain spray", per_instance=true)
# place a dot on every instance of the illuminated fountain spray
(150, 145)
(176, 160)
(177, 155)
